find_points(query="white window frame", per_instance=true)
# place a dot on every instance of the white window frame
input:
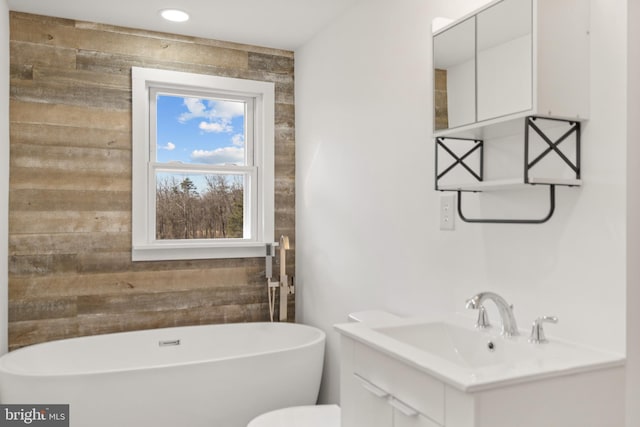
(259, 199)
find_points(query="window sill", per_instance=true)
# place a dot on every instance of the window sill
(177, 251)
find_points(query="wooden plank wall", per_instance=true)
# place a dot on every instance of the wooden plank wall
(70, 188)
(440, 100)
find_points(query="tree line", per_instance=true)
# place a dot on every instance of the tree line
(183, 212)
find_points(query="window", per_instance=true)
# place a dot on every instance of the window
(203, 166)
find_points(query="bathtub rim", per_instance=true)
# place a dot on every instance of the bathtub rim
(320, 338)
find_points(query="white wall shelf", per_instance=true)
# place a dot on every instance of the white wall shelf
(508, 184)
(469, 162)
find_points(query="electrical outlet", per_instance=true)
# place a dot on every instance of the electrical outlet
(447, 211)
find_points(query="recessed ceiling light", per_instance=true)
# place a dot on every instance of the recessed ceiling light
(174, 15)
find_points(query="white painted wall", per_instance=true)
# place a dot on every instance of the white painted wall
(633, 218)
(367, 215)
(4, 172)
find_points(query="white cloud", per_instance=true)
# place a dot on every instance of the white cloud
(196, 109)
(238, 140)
(220, 156)
(227, 110)
(170, 146)
(216, 127)
(217, 114)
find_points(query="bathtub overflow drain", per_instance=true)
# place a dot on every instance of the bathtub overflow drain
(491, 346)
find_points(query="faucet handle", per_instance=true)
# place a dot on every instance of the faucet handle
(483, 318)
(537, 331)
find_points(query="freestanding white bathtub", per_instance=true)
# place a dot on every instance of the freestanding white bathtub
(195, 376)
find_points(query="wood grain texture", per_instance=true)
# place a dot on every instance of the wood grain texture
(70, 269)
(440, 100)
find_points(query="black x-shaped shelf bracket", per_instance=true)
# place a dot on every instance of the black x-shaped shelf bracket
(574, 129)
(478, 144)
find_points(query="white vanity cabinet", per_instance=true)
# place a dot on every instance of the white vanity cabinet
(374, 407)
(512, 59)
(379, 390)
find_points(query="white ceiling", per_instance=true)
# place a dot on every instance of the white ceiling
(282, 24)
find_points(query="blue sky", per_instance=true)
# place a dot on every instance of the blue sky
(200, 130)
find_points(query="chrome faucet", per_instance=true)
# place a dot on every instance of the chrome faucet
(537, 331)
(509, 326)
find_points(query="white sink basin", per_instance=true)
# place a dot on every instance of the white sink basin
(467, 348)
(471, 359)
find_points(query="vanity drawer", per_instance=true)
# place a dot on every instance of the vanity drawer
(408, 385)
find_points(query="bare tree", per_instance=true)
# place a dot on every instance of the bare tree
(183, 212)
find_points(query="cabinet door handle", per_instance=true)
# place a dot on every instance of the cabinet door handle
(370, 387)
(403, 407)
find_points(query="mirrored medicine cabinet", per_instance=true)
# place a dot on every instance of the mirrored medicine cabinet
(483, 65)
